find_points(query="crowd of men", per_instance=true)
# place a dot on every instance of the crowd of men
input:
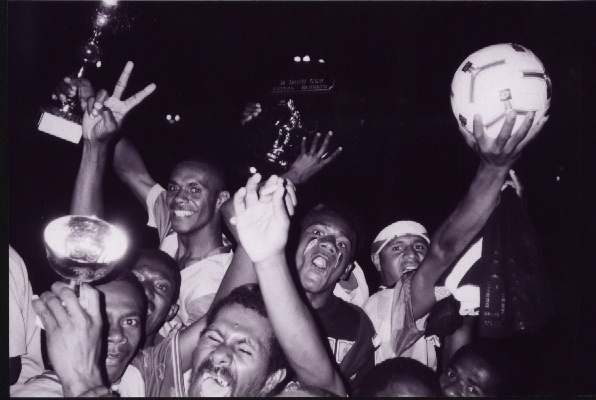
(202, 317)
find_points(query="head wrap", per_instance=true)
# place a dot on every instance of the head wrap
(398, 229)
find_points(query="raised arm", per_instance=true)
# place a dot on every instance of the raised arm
(496, 158)
(102, 117)
(241, 270)
(130, 168)
(262, 221)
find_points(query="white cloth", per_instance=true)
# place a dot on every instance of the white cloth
(200, 282)
(378, 308)
(48, 385)
(467, 295)
(357, 296)
(24, 335)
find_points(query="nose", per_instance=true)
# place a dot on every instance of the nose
(148, 286)
(115, 334)
(410, 253)
(328, 243)
(221, 356)
(181, 196)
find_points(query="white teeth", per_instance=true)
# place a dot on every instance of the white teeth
(220, 382)
(182, 213)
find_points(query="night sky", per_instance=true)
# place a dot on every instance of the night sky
(404, 157)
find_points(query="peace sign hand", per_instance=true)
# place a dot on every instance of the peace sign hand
(104, 115)
(120, 108)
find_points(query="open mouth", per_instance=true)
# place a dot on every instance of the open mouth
(215, 385)
(150, 308)
(320, 262)
(183, 213)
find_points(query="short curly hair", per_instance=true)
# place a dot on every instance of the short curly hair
(250, 296)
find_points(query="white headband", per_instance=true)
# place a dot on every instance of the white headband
(400, 228)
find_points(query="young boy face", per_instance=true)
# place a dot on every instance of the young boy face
(469, 375)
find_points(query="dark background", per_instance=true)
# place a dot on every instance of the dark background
(404, 157)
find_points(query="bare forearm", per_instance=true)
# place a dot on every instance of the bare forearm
(295, 327)
(87, 197)
(472, 212)
(131, 169)
(456, 233)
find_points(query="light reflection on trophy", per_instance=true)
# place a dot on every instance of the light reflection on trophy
(289, 132)
(83, 249)
(297, 105)
(62, 117)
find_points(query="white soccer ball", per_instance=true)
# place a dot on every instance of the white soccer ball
(496, 79)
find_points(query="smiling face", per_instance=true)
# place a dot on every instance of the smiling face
(233, 355)
(125, 309)
(469, 375)
(401, 254)
(327, 244)
(161, 280)
(192, 196)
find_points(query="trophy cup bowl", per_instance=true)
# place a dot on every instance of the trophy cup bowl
(83, 248)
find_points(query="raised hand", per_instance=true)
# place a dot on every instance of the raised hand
(121, 107)
(503, 150)
(74, 335)
(262, 219)
(311, 161)
(103, 115)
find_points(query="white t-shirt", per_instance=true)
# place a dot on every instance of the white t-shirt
(200, 280)
(24, 335)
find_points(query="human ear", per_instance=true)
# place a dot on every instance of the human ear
(173, 311)
(222, 198)
(376, 261)
(273, 380)
(347, 272)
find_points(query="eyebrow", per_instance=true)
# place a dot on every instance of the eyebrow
(131, 314)
(341, 231)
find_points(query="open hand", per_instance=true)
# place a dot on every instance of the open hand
(506, 148)
(74, 335)
(262, 219)
(311, 161)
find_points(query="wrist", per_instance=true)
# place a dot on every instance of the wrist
(83, 383)
(275, 259)
(499, 171)
(292, 176)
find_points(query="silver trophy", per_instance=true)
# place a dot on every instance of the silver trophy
(298, 103)
(289, 131)
(62, 117)
(83, 249)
